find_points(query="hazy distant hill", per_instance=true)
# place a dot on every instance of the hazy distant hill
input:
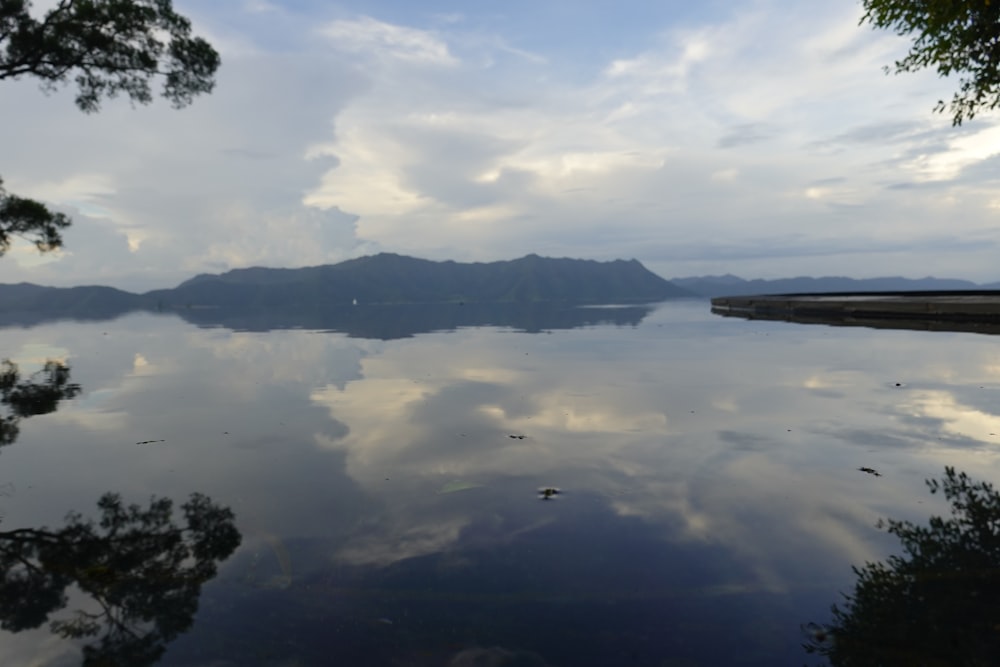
(388, 278)
(730, 285)
(91, 300)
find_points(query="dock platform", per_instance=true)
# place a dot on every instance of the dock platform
(972, 311)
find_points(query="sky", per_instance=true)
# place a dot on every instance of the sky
(760, 138)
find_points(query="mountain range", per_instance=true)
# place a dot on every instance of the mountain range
(391, 279)
(383, 279)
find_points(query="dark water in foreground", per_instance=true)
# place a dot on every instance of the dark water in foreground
(387, 492)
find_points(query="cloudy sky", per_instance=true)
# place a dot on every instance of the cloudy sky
(758, 137)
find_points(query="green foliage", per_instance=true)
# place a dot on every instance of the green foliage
(31, 220)
(38, 395)
(954, 37)
(142, 570)
(107, 48)
(936, 604)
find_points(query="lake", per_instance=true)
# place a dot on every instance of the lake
(637, 486)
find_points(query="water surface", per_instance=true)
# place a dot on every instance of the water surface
(386, 485)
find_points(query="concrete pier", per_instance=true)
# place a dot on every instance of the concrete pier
(973, 311)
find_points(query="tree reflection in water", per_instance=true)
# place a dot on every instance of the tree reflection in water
(937, 604)
(38, 395)
(142, 570)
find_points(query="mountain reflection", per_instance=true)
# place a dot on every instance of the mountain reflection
(142, 571)
(382, 322)
(937, 605)
(39, 394)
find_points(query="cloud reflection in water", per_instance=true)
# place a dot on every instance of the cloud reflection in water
(710, 468)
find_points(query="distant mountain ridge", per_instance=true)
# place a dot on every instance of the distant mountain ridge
(93, 300)
(730, 285)
(390, 278)
(385, 278)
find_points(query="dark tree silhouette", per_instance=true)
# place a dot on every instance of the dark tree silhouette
(954, 38)
(935, 605)
(107, 47)
(142, 570)
(31, 220)
(40, 394)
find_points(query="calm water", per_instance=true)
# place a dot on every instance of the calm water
(386, 489)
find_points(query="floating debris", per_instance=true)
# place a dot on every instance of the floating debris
(517, 437)
(148, 442)
(870, 471)
(549, 492)
(819, 635)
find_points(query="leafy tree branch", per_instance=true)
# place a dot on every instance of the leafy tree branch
(960, 37)
(106, 48)
(110, 47)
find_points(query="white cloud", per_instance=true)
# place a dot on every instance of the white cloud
(630, 162)
(369, 36)
(260, 6)
(981, 143)
(214, 186)
(706, 147)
